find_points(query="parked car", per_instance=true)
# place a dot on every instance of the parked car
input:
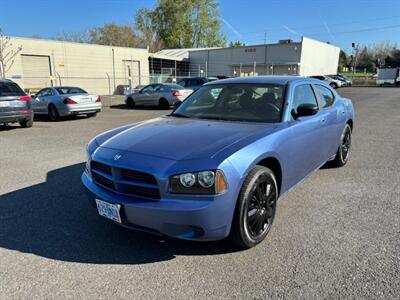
(390, 76)
(333, 83)
(63, 101)
(346, 80)
(194, 83)
(15, 105)
(217, 165)
(162, 95)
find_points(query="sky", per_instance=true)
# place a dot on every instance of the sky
(340, 22)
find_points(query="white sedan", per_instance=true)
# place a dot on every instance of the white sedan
(162, 95)
(63, 101)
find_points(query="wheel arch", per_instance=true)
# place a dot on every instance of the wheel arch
(350, 122)
(275, 166)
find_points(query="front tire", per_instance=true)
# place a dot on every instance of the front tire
(255, 208)
(130, 102)
(343, 152)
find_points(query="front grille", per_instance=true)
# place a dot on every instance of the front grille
(125, 181)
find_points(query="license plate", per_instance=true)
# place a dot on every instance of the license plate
(4, 104)
(108, 210)
(85, 100)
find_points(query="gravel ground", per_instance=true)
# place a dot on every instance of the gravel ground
(335, 236)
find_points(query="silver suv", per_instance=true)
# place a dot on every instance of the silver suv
(15, 105)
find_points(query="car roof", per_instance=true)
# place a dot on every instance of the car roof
(271, 79)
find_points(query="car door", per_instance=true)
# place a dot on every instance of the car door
(145, 95)
(334, 115)
(305, 136)
(39, 103)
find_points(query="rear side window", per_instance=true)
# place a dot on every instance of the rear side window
(70, 90)
(326, 96)
(303, 94)
(10, 89)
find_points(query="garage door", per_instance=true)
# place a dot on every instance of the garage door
(36, 71)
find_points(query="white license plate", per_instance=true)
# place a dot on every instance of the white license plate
(4, 104)
(108, 210)
(85, 100)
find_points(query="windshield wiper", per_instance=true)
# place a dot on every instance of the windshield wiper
(178, 115)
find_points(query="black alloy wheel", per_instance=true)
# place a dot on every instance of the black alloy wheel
(255, 209)
(343, 152)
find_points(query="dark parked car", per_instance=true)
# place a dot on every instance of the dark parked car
(195, 82)
(15, 105)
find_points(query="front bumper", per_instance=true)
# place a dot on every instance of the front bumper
(207, 218)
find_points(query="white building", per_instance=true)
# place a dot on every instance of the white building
(305, 58)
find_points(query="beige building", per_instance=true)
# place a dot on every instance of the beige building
(96, 68)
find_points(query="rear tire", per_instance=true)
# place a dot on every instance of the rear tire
(26, 123)
(92, 115)
(255, 208)
(130, 102)
(53, 113)
(343, 152)
(163, 103)
(333, 85)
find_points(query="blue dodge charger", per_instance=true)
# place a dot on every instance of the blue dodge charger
(216, 166)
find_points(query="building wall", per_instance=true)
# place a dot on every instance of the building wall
(318, 58)
(308, 57)
(83, 65)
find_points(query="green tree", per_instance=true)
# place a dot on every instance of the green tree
(182, 24)
(343, 60)
(115, 35)
(365, 60)
(145, 29)
(236, 44)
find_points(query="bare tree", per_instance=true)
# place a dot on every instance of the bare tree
(7, 54)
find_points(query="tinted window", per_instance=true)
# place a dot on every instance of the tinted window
(10, 89)
(70, 90)
(303, 94)
(182, 83)
(46, 92)
(148, 89)
(235, 102)
(326, 97)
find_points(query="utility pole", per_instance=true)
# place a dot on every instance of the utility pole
(265, 37)
(355, 53)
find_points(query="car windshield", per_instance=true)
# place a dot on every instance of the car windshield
(235, 102)
(10, 89)
(70, 90)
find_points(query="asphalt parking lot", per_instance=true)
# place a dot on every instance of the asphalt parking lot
(335, 236)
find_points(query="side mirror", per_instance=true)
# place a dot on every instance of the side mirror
(305, 110)
(177, 104)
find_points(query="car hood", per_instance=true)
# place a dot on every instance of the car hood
(184, 139)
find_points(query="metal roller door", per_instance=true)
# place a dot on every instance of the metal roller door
(36, 71)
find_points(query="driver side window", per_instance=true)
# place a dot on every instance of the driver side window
(303, 94)
(148, 89)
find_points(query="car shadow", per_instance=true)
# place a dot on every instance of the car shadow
(55, 220)
(45, 118)
(125, 107)
(10, 127)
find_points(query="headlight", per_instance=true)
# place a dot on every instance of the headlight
(205, 182)
(90, 148)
